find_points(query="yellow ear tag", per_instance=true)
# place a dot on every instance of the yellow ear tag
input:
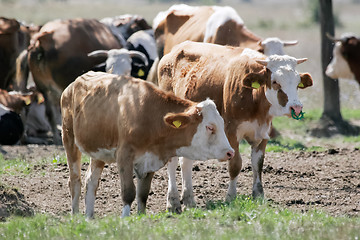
(255, 85)
(177, 123)
(40, 99)
(27, 101)
(301, 85)
(141, 73)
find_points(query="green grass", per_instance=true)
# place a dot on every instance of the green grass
(20, 166)
(242, 219)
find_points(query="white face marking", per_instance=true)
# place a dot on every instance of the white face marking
(273, 46)
(220, 16)
(145, 39)
(206, 145)
(148, 162)
(118, 62)
(253, 130)
(339, 67)
(283, 73)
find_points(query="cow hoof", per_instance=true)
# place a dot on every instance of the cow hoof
(230, 198)
(176, 209)
(258, 191)
(189, 201)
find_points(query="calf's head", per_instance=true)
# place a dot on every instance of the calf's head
(282, 81)
(209, 140)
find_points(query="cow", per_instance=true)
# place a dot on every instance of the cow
(14, 37)
(346, 58)
(120, 61)
(248, 88)
(140, 128)
(30, 107)
(58, 54)
(212, 24)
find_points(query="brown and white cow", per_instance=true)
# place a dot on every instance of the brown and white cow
(140, 128)
(248, 90)
(58, 54)
(346, 58)
(212, 24)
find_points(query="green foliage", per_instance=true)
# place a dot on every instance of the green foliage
(243, 218)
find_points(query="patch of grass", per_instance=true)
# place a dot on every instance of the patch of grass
(14, 166)
(243, 218)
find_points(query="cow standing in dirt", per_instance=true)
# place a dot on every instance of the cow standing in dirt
(140, 128)
(248, 89)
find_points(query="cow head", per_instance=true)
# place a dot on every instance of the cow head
(209, 140)
(281, 81)
(345, 54)
(274, 45)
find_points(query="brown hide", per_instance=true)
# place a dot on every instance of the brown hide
(133, 111)
(58, 53)
(9, 49)
(350, 49)
(180, 26)
(183, 71)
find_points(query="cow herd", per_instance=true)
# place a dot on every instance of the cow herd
(191, 87)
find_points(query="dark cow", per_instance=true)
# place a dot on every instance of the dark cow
(58, 54)
(248, 88)
(346, 58)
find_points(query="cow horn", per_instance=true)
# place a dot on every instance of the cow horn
(262, 62)
(333, 39)
(290, 43)
(301, 60)
(98, 53)
(139, 55)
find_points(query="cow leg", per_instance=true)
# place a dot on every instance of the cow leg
(257, 161)
(173, 199)
(74, 163)
(92, 178)
(54, 115)
(125, 162)
(234, 167)
(142, 192)
(187, 187)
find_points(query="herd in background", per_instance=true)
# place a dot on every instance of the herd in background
(250, 79)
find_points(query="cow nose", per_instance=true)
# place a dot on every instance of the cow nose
(230, 154)
(297, 109)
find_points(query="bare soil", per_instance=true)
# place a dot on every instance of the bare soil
(327, 181)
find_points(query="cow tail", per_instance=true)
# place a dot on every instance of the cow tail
(22, 71)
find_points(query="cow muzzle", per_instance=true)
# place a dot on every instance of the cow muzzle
(229, 155)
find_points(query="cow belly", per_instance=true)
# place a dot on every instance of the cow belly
(146, 163)
(103, 154)
(253, 131)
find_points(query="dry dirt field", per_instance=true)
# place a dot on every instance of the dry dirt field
(327, 181)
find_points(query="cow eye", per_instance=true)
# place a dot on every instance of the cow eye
(210, 129)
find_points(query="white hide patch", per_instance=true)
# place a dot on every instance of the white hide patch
(253, 130)
(283, 72)
(146, 163)
(252, 53)
(204, 145)
(178, 7)
(3, 110)
(339, 67)
(220, 16)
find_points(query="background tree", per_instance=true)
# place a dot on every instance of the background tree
(331, 121)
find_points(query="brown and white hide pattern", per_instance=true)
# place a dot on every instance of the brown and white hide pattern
(248, 88)
(140, 128)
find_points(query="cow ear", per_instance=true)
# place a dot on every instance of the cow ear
(177, 120)
(255, 80)
(306, 80)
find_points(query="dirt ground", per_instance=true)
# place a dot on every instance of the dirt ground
(328, 181)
